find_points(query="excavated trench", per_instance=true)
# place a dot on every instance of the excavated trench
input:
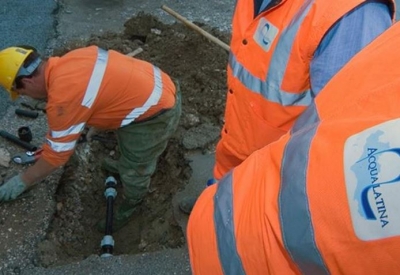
(81, 203)
(200, 66)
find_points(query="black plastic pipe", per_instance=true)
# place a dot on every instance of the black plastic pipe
(17, 141)
(107, 243)
(109, 217)
(26, 113)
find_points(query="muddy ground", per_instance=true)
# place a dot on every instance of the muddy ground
(200, 66)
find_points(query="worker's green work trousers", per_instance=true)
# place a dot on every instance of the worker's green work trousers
(140, 145)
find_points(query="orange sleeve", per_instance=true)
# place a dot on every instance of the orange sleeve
(66, 118)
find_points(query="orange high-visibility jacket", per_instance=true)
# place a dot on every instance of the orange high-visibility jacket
(268, 72)
(104, 89)
(323, 199)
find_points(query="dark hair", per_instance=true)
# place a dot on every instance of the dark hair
(29, 59)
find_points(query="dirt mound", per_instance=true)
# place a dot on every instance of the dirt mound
(200, 67)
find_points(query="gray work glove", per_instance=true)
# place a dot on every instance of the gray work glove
(12, 188)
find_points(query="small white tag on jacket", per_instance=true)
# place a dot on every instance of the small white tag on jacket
(265, 34)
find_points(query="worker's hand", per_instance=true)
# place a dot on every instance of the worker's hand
(92, 132)
(12, 188)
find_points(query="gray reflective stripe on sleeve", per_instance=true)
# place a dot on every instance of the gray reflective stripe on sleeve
(295, 218)
(74, 129)
(96, 78)
(153, 99)
(308, 118)
(224, 227)
(61, 146)
(271, 87)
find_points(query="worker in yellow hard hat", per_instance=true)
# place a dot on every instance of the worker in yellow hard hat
(17, 63)
(98, 88)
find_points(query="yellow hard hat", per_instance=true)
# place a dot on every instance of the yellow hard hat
(11, 61)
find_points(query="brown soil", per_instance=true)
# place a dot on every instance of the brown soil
(200, 66)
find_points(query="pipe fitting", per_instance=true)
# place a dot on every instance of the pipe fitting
(110, 192)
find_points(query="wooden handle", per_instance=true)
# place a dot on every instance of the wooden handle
(196, 28)
(135, 52)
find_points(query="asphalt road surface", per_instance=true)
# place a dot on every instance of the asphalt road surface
(25, 22)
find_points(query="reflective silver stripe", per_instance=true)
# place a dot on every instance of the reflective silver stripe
(61, 146)
(74, 129)
(308, 118)
(296, 223)
(271, 87)
(151, 101)
(224, 227)
(96, 78)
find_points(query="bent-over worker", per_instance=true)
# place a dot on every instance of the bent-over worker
(104, 89)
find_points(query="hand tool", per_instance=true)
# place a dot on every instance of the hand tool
(27, 157)
(107, 243)
(17, 141)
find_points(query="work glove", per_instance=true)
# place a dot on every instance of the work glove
(12, 188)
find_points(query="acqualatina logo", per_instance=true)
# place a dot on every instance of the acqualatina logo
(265, 34)
(373, 184)
(372, 177)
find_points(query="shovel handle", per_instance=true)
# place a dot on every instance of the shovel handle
(196, 28)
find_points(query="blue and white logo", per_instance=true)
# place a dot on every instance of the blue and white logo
(265, 34)
(372, 174)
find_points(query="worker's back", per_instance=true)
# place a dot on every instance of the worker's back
(125, 84)
(104, 89)
(324, 198)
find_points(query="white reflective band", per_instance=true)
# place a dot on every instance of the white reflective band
(61, 146)
(270, 85)
(74, 129)
(297, 226)
(95, 80)
(225, 227)
(153, 99)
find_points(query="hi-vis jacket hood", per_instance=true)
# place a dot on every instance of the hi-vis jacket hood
(268, 71)
(323, 199)
(105, 89)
